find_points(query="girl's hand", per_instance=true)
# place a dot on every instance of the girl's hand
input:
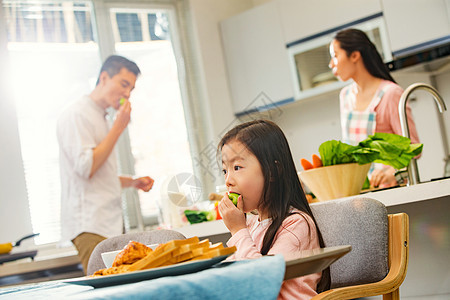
(383, 178)
(233, 217)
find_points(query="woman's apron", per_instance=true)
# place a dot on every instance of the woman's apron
(358, 125)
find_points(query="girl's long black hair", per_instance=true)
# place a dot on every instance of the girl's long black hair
(282, 188)
(352, 40)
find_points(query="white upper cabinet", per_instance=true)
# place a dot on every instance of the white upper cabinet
(277, 52)
(303, 18)
(413, 22)
(256, 58)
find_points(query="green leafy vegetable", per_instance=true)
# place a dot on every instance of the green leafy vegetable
(386, 148)
(335, 152)
(395, 150)
(197, 216)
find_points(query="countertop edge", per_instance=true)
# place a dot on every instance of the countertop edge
(401, 195)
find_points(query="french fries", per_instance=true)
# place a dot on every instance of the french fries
(172, 252)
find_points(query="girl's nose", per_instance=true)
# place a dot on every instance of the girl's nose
(228, 180)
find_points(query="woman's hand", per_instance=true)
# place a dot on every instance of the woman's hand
(383, 178)
(233, 216)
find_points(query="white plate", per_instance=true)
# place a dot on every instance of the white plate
(108, 257)
(136, 276)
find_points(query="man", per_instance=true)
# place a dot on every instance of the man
(91, 207)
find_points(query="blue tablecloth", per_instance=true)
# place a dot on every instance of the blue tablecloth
(250, 279)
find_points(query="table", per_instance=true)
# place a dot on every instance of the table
(254, 278)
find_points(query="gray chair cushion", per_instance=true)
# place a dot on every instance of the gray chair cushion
(118, 242)
(363, 224)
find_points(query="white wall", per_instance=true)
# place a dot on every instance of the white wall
(206, 16)
(424, 110)
(309, 123)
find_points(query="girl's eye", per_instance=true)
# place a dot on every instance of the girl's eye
(236, 168)
(224, 172)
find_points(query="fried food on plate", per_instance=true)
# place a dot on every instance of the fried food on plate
(172, 252)
(113, 270)
(131, 253)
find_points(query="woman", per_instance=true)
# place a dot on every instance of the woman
(370, 103)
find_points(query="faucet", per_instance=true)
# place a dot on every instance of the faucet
(413, 171)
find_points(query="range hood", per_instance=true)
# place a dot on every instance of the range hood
(433, 56)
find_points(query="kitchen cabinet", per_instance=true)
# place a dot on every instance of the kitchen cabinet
(414, 22)
(302, 19)
(260, 70)
(256, 57)
(309, 58)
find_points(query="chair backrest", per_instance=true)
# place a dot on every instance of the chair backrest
(118, 242)
(363, 224)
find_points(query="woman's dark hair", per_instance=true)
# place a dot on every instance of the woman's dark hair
(282, 188)
(352, 40)
(114, 63)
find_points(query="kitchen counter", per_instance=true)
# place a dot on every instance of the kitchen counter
(411, 194)
(215, 231)
(389, 197)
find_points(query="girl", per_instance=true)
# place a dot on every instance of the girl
(258, 165)
(370, 103)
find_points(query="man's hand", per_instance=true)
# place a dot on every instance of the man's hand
(143, 183)
(123, 115)
(106, 146)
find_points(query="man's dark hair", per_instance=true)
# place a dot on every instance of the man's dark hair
(114, 63)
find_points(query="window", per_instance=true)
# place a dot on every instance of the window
(158, 136)
(55, 58)
(52, 53)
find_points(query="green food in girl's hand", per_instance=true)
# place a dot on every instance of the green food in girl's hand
(233, 197)
(122, 101)
(386, 148)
